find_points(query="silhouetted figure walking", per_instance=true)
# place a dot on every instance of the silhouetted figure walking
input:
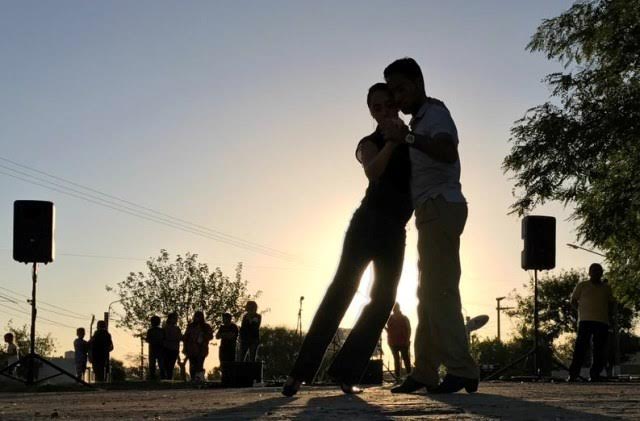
(100, 346)
(228, 335)
(441, 214)
(250, 332)
(196, 345)
(81, 352)
(595, 304)
(12, 353)
(170, 346)
(155, 339)
(375, 234)
(399, 340)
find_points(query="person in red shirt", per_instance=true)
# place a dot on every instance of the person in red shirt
(399, 339)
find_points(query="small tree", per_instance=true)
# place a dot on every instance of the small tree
(45, 345)
(184, 286)
(279, 347)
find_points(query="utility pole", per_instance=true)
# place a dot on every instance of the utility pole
(499, 309)
(141, 357)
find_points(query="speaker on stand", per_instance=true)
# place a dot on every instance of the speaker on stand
(539, 253)
(33, 243)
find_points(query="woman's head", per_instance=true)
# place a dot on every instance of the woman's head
(251, 307)
(380, 102)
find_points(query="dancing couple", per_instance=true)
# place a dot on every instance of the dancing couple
(408, 167)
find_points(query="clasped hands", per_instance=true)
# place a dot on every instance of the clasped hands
(394, 130)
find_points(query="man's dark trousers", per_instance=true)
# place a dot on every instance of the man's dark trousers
(588, 329)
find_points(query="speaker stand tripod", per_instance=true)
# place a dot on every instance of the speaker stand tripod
(31, 359)
(535, 351)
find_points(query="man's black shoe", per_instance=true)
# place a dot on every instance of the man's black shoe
(453, 384)
(409, 385)
(597, 379)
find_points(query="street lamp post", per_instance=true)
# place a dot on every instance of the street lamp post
(108, 313)
(499, 309)
(577, 247)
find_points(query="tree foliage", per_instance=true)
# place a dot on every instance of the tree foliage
(583, 147)
(45, 345)
(556, 315)
(279, 347)
(183, 285)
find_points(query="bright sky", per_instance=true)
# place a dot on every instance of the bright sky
(243, 117)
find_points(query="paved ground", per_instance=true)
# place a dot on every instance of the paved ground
(499, 400)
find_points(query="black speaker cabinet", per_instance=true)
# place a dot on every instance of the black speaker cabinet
(33, 229)
(240, 374)
(373, 373)
(539, 235)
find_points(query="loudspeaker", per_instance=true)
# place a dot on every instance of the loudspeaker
(33, 229)
(373, 373)
(240, 374)
(539, 235)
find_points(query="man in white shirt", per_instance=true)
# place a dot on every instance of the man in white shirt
(441, 213)
(595, 304)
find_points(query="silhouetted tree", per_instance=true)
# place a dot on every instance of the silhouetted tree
(557, 316)
(583, 147)
(183, 285)
(279, 347)
(45, 345)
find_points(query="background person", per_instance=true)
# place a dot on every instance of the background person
(228, 335)
(250, 332)
(81, 352)
(170, 346)
(196, 345)
(595, 304)
(100, 346)
(155, 339)
(399, 340)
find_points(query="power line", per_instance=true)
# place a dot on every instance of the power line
(136, 205)
(39, 317)
(138, 214)
(140, 211)
(44, 303)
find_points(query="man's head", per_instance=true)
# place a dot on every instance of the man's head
(80, 332)
(172, 318)
(396, 308)
(405, 81)
(8, 338)
(226, 318)
(198, 317)
(102, 325)
(595, 273)
(155, 321)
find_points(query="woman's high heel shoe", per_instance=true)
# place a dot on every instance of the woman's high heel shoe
(291, 387)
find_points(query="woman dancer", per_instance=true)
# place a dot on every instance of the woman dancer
(376, 234)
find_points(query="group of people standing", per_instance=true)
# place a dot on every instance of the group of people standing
(409, 168)
(164, 342)
(96, 351)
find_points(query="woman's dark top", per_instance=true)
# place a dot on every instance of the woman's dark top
(100, 345)
(390, 195)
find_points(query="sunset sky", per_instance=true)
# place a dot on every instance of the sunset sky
(243, 117)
